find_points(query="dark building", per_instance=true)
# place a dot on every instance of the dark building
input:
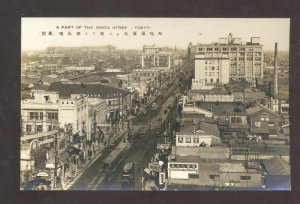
(263, 121)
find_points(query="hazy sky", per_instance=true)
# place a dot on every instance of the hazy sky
(174, 31)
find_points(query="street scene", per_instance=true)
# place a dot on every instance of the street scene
(141, 104)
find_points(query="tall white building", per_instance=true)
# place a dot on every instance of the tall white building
(210, 70)
(246, 58)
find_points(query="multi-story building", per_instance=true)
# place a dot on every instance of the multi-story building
(146, 80)
(210, 69)
(246, 59)
(46, 112)
(152, 56)
(117, 100)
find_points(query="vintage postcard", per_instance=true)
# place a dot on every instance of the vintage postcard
(155, 104)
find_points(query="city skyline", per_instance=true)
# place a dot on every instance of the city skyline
(201, 30)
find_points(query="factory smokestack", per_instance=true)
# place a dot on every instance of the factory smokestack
(275, 72)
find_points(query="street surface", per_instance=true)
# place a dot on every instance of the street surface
(94, 178)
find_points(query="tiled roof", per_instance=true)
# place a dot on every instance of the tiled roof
(49, 80)
(258, 109)
(223, 108)
(205, 129)
(65, 90)
(211, 129)
(39, 87)
(26, 80)
(277, 166)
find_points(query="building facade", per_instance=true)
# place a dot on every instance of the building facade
(45, 113)
(152, 56)
(211, 69)
(246, 59)
(210, 174)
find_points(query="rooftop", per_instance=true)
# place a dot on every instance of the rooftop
(202, 152)
(27, 80)
(279, 150)
(258, 109)
(98, 90)
(223, 108)
(231, 167)
(277, 166)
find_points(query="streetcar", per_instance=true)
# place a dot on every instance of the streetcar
(114, 158)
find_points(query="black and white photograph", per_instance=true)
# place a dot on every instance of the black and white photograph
(154, 104)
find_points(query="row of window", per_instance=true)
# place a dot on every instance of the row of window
(236, 120)
(184, 166)
(144, 74)
(217, 177)
(226, 49)
(63, 102)
(212, 80)
(40, 116)
(39, 128)
(212, 74)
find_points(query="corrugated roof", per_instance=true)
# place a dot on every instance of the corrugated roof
(223, 108)
(65, 90)
(277, 166)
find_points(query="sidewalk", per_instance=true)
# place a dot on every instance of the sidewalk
(67, 184)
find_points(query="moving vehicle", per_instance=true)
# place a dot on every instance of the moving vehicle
(114, 158)
(128, 174)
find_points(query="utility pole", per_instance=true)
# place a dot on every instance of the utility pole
(55, 160)
(95, 125)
